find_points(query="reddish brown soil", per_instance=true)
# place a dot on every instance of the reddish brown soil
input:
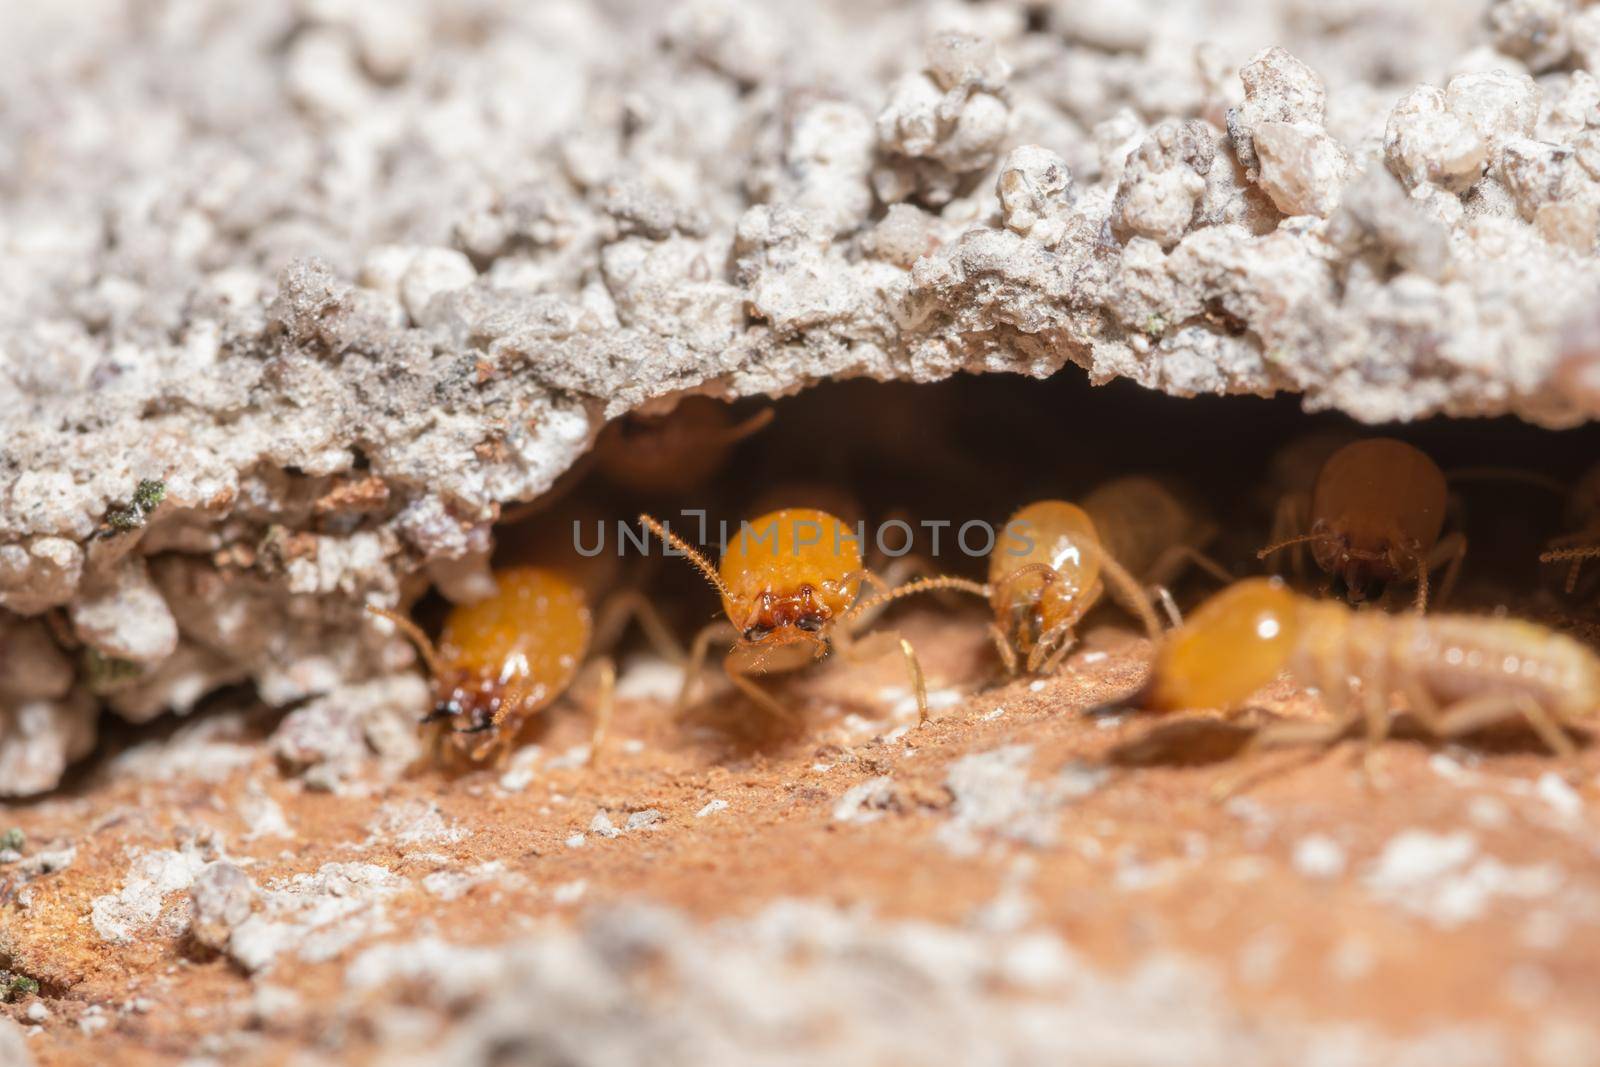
(1150, 861)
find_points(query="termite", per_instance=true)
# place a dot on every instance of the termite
(1583, 520)
(1456, 673)
(1286, 489)
(1377, 510)
(503, 659)
(674, 453)
(1049, 567)
(791, 584)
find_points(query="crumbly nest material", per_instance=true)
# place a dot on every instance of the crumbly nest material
(297, 300)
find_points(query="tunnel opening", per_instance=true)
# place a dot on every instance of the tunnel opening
(976, 448)
(933, 458)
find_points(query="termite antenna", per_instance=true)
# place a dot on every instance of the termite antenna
(1290, 543)
(1024, 571)
(1576, 555)
(430, 655)
(918, 585)
(740, 430)
(701, 564)
(1507, 474)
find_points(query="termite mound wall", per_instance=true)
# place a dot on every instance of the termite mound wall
(366, 275)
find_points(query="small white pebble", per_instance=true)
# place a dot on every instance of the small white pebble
(1036, 686)
(644, 820)
(938, 700)
(1078, 780)
(633, 746)
(37, 1012)
(857, 724)
(1488, 812)
(1447, 768)
(1092, 657)
(576, 756)
(1246, 869)
(651, 679)
(1108, 722)
(712, 808)
(569, 892)
(1352, 960)
(1557, 792)
(433, 271)
(1544, 930)
(897, 733)
(822, 768)
(1319, 856)
(1414, 858)
(990, 716)
(1529, 986)
(601, 824)
(575, 841)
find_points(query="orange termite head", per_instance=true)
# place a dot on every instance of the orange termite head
(789, 575)
(1376, 511)
(508, 655)
(1232, 645)
(1043, 570)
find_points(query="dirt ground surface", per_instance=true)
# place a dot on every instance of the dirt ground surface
(1444, 903)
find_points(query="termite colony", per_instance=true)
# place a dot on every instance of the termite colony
(1339, 565)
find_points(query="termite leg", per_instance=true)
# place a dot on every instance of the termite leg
(604, 706)
(1375, 709)
(769, 703)
(622, 608)
(1423, 707)
(1127, 592)
(1333, 683)
(1474, 713)
(1052, 664)
(1449, 553)
(1576, 555)
(1168, 605)
(1321, 736)
(715, 631)
(1054, 643)
(500, 736)
(757, 422)
(1002, 645)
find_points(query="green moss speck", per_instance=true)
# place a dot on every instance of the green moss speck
(132, 515)
(104, 673)
(16, 986)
